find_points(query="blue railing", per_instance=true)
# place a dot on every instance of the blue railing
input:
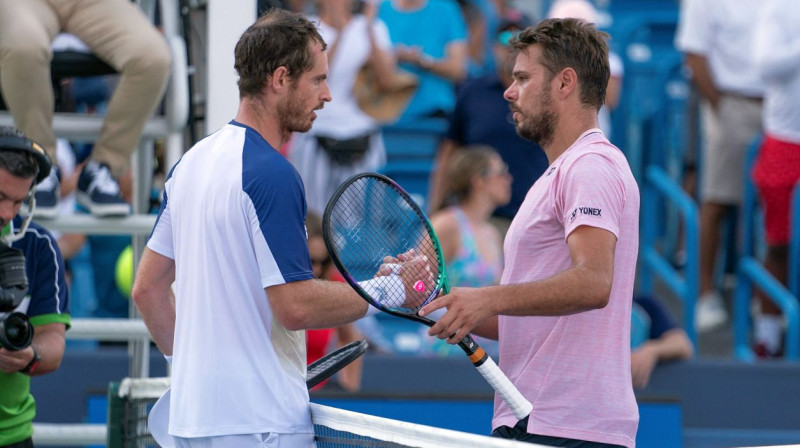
(411, 147)
(685, 286)
(794, 245)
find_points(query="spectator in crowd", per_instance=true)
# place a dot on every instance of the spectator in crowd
(717, 37)
(481, 19)
(118, 33)
(344, 140)
(438, 56)
(585, 10)
(477, 183)
(482, 117)
(777, 169)
(655, 338)
(46, 300)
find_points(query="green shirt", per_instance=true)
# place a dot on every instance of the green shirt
(17, 407)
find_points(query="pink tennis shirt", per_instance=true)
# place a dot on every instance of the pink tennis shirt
(574, 369)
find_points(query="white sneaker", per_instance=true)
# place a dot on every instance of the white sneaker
(710, 312)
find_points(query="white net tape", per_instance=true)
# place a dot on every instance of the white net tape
(354, 426)
(332, 426)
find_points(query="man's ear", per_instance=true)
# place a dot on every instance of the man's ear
(280, 78)
(567, 82)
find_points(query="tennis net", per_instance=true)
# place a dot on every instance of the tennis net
(131, 399)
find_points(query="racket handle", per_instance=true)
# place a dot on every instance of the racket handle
(518, 404)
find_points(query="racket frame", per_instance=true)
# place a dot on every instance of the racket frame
(323, 368)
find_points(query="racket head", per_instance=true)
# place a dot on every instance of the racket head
(323, 368)
(370, 217)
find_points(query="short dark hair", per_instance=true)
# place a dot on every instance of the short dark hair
(278, 38)
(19, 163)
(576, 44)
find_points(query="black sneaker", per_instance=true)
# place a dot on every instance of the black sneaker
(46, 194)
(99, 191)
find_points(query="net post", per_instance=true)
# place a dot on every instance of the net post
(114, 416)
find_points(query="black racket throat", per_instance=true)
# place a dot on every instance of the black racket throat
(475, 352)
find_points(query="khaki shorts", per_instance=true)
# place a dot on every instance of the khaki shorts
(729, 131)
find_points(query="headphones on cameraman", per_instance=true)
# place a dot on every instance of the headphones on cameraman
(11, 139)
(14, 140)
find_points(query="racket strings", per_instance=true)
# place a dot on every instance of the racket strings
(370, 221)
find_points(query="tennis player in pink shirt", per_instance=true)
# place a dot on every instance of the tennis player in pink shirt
(562, 311)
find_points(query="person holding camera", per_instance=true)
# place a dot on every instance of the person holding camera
(34, 300)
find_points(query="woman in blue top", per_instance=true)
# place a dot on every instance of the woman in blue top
(477, 183)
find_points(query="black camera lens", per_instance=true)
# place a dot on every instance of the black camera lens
(16, 332)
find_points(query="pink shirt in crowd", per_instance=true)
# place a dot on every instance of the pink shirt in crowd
(574, 369)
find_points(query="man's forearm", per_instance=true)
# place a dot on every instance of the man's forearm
(315, 304)
(573, 291)
(159, 316)
(701, 77)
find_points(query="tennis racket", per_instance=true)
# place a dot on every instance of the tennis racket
(369, 218)
(322, 369)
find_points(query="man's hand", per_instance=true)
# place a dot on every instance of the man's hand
(466, 309)
(14, 361)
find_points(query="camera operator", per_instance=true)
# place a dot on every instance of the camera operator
(40, 293)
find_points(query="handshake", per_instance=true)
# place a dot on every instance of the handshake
(403, 283)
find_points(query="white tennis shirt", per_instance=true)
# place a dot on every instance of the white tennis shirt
(233, 219)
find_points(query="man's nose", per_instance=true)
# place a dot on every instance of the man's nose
(7, 211)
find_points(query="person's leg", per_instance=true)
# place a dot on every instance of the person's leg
(26, 30)
(775, 174)
(119, 33)
(730, 129)
(768, 325)
(711, 216)
(710, 312)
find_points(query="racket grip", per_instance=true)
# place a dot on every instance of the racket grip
(518, 404)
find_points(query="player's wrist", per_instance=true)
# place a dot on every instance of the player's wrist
(33, 364)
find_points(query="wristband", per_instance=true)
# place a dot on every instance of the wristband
(168, 358)
(380, 287)
(31, 367)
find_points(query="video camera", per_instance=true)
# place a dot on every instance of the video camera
(16, 331)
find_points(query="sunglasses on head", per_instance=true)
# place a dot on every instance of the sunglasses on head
(504, 37)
